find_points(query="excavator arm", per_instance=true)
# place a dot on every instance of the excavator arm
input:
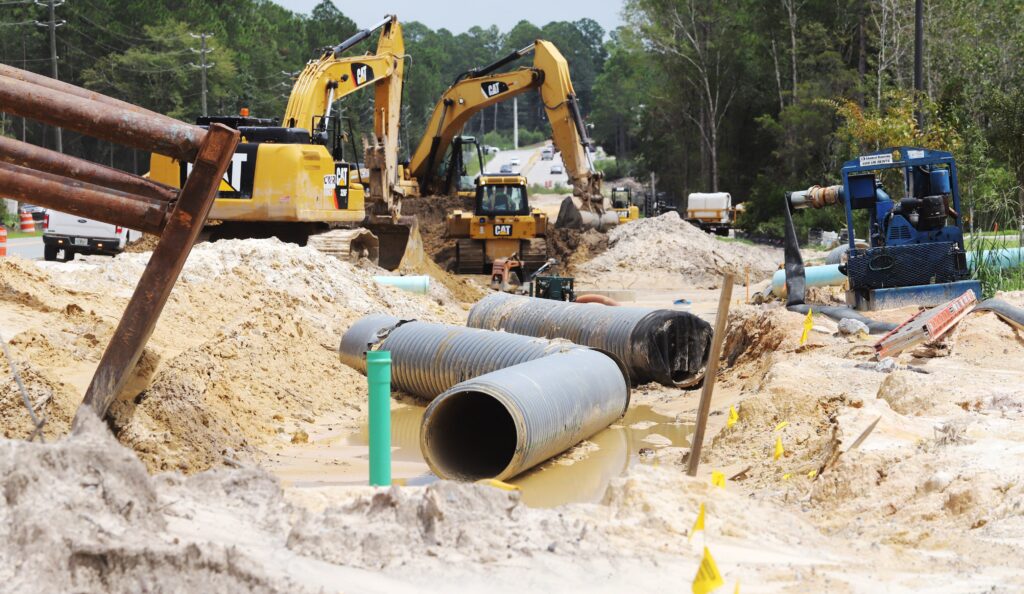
(330, 77)
(479, 89)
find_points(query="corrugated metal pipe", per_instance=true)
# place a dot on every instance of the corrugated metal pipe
(662, 345)
(502, 402)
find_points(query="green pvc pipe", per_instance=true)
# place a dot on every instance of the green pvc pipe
(821, 276)
(413, 284)
(378, 375)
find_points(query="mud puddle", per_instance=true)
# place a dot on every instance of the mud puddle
(580, 475)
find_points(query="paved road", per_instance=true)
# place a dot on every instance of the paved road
(30, 248)
(536, 170)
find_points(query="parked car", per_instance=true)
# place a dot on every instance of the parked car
(514, 161)
(506, 169)
(557, 170)
(68, 234)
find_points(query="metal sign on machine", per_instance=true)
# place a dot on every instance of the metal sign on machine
(493, 88)
(341, 185)
(871, 160)
(238, 179)
(503, 230)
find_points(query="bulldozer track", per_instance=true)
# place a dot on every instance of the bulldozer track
(469, 256)
(346, 244)
(534, 253)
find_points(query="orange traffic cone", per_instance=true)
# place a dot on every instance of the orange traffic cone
(3, 241)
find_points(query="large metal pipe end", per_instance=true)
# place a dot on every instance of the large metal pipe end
(357, 339)
(507, 421)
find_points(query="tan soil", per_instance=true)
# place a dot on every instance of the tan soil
(243, 365)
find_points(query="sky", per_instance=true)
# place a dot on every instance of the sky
(458, 16)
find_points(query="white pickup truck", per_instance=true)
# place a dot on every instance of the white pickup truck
(69, 234)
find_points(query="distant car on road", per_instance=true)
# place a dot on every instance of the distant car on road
(514, 161)
(557, 169)
(72, 234)
(547, 153)
(506, 169)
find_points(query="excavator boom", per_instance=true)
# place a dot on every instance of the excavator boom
(478, 89)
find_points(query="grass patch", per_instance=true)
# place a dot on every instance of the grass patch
(16, 233)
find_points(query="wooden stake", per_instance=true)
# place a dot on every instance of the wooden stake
(748, 284)
(709, 376)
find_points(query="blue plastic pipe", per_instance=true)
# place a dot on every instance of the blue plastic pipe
(829, 275)
(412, 284)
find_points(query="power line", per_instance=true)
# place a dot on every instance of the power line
(52, 25)
(203, 65)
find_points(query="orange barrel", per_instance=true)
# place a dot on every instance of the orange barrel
(27, 224)
(3, 241)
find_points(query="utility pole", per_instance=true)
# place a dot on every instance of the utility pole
(918, 58)
(515, 123)
(52, 25)
(203, 65)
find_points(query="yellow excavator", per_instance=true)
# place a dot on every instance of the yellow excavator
(292, 179)
(503, 224)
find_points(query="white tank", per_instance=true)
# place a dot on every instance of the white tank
(709, 206)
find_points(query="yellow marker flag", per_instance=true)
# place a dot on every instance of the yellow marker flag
(733, 417)
(782, 426)
(812, 474)
(808, 324)
(707, 578)
(698, 524)
(737, 589)
(786, 476)
(498, 484)
(778, 448)
(718, 478)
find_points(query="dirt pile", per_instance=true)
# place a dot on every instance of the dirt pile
(244, 353)
(650, 252)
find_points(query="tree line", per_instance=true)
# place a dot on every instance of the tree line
(753, 97)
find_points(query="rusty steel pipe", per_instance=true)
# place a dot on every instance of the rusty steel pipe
(185, 222)
(81, 199)
(56, 85)
(146, 131)
(28, 155)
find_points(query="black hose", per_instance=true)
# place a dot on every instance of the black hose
(1010, 313)
(796, 285)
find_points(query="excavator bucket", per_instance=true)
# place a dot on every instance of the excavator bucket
(571, 216)
(400, 244)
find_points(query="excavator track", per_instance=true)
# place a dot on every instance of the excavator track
(533, 253)
(347, 244)
(469, 256)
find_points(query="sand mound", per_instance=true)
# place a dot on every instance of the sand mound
(668, 245)
(244, 351)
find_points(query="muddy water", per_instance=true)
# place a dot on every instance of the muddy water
(580, 475)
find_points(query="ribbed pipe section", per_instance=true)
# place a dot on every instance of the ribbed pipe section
(427, 359)
(504, 402)
(662, 345)
(507, 421)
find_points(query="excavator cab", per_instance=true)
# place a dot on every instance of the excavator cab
(622, 204)
(458, 181)
(502, 229)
